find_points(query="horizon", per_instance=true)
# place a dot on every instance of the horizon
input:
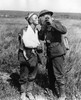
(39, 11)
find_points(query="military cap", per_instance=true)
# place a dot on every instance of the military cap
(43, 12)
(29, 16)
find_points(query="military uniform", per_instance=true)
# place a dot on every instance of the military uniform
(55, 53)
(28, 67)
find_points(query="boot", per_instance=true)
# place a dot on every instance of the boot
(55, 90)
(62, 94)
(30, 96)
(63, 97)
(23, 96)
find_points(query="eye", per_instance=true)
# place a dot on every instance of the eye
(36, 18)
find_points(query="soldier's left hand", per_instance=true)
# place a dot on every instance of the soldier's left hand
(38, 27)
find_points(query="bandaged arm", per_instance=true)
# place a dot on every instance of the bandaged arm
(30, 42)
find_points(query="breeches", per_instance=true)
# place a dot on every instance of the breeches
(28, 69)
(56, 70)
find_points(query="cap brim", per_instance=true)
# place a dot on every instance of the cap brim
(28, 17)
(50, 13)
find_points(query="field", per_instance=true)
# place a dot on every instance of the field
(9, 29)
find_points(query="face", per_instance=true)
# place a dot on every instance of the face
(46, 17)
(34, 19)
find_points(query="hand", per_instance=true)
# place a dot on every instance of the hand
(38, 27)
(39, 49)
(48, 41)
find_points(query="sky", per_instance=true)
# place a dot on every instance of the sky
(38, 5)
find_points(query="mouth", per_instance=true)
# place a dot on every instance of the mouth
(47, 22)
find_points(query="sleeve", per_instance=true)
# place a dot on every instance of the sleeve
(41, 35)
(59, 27)
(20, 39)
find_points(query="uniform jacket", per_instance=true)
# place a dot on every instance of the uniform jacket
(22, 46)
(54, 33)
(30, 54)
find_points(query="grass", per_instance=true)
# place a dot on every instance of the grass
(9, 29)
(73, 59)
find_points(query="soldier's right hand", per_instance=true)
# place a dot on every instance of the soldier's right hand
(38, 27)
(39, 49)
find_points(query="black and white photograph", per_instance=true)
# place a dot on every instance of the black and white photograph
(40, 49)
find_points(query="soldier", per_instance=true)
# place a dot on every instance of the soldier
(52, 31)
(27, 55)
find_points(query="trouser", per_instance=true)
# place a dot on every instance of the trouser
(56, 75)
(28, 71)
(27, 76)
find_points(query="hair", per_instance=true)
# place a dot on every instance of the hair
(29, 22)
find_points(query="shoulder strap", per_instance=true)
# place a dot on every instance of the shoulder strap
(66, 42)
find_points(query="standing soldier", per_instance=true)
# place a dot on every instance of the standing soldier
(51, 32)
(27, 55)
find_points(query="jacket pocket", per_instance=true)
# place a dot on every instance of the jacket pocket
(56, 50)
